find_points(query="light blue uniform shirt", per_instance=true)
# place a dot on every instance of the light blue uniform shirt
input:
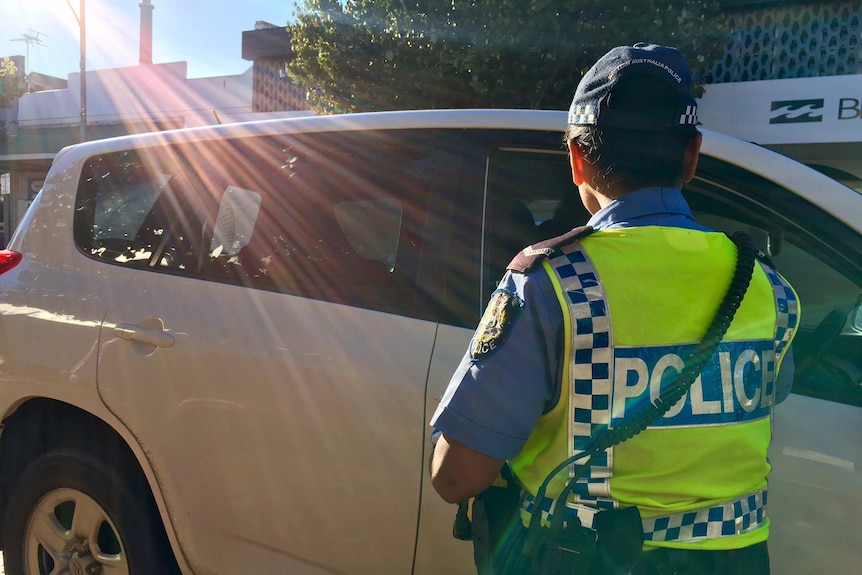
(492, 404)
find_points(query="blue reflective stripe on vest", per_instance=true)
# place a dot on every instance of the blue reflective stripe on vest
(735, 517)
(735, 385)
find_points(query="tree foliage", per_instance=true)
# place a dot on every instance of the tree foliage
(11, 83)
(360, 55)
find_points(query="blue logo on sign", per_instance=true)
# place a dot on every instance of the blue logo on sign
(737, 384)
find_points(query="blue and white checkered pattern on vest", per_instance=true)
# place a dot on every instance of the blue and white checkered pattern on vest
(735, 517)
(741, 515)
(590, 369)
(786, 310)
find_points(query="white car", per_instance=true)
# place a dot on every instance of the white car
(222, 346)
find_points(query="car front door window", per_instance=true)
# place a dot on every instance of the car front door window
(827, 349)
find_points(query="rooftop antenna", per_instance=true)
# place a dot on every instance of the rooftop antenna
(33, 39)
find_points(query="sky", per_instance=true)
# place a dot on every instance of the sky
(206, 34)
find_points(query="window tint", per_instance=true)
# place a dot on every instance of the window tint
(517, 191)
(128, 211)
(530, 198)
(805, 246)
(372, 228)
(336, 217)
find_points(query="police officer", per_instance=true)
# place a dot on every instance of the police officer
(586, 329)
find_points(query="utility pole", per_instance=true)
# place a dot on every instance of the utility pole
(80, 16)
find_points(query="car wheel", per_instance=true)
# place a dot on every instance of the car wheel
(70, 512)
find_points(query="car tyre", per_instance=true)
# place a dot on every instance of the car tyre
(71, 512)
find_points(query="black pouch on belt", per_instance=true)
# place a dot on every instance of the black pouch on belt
(620, 540)
(462, 527)
(496, 524)
(560, 549)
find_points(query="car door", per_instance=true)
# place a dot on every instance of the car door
(515, 189)
(814, 495)
(271, 358)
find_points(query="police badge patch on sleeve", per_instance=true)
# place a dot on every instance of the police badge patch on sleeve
(496, 323)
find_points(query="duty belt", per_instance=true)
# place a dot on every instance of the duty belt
(735, 517)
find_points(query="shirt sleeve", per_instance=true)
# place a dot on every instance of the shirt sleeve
(493, 403)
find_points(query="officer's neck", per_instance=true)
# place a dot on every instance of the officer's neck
(594, 199)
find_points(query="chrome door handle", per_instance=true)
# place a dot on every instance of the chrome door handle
(144, 333)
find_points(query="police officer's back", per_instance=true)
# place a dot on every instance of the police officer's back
(585, 331)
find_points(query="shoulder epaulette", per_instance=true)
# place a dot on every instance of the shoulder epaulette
(531, 256)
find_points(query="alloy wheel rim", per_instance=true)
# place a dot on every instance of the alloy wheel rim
(69, 532)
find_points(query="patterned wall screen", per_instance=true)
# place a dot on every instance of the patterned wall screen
(273, 90)
(792, 42)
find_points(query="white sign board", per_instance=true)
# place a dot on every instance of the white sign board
(796, 111)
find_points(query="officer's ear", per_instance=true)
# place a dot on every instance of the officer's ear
(690, 156)
(576, 159)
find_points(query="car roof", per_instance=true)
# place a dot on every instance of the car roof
(839, 200)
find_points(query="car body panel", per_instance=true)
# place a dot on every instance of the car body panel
(815, 488)
(437, 551)
(49, 331)
(256, 404)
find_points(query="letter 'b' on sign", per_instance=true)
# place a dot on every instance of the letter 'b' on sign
(849, 109)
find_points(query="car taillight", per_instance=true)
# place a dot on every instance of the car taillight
(8, 260)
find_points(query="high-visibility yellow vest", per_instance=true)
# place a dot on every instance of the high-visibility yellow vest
(635, 302)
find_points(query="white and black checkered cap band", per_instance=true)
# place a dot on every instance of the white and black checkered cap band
(689, 117)
(588, 115)
(582, 114)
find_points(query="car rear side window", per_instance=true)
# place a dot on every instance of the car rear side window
(323, 216)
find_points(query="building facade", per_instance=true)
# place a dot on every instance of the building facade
(268, 47)
(119, 101)
(135, 99)
(791, 79)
